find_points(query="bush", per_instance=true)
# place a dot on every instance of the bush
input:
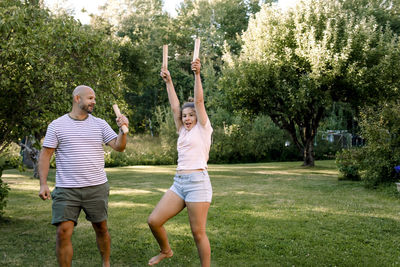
(238, 139)
(3, 190)
(235, 139)
(116, 159)
(11, 158)
(167, 134)
(145, 149)
(380, 126)
(348, 162)
(140, 150)
(3, 195)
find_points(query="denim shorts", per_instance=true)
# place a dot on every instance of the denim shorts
(193, 187)
(68, 203)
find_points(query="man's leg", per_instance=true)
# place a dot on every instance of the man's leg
(103, 240)
(64, 249)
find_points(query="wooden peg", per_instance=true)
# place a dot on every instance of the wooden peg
(165, 57)
(196, 49)
(124, 128)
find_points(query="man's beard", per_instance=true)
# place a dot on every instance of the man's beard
(86, 108)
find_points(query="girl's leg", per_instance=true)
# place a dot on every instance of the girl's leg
(169, 205)
(198, 219)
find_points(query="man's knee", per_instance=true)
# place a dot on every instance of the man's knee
(100, 228)
(65, 230)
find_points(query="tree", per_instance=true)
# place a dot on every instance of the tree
(143, 28)
(42, 59)
(216, 22)
(294, 64)
(385, 12)
(146, 28)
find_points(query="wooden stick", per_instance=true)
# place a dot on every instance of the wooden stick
(165, 57)
(196, 49)
(125, 129)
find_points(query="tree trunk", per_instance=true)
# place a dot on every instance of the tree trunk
(303, 134)
(308, 154)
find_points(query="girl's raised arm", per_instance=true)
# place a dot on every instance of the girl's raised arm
(173, 99)
(198, 94)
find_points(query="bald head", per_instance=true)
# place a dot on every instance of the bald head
(84, 99)
(82, 90)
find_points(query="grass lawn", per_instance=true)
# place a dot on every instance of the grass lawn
(269, 214)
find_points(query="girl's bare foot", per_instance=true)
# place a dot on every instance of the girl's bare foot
(161, 256)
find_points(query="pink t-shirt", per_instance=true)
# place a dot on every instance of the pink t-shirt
(194, 146)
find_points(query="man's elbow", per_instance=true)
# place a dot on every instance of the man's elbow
(121, 148)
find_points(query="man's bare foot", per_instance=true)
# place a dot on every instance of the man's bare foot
(160, 257)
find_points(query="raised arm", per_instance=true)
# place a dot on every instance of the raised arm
(173, 99)
(198, 94)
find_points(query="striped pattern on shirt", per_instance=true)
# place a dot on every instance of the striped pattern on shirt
(79, 150)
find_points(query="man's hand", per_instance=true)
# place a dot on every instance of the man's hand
(122, 120)
(44, 192)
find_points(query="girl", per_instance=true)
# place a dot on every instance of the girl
(191, 187)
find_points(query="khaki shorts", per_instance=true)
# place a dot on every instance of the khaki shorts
(68, 203)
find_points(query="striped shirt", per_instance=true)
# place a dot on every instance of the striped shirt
(79, 150)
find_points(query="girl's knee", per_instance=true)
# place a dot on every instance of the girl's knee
(199, 234)
(153, 222)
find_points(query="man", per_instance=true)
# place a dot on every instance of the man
(77, 139)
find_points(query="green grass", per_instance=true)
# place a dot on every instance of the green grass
(270, 214)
